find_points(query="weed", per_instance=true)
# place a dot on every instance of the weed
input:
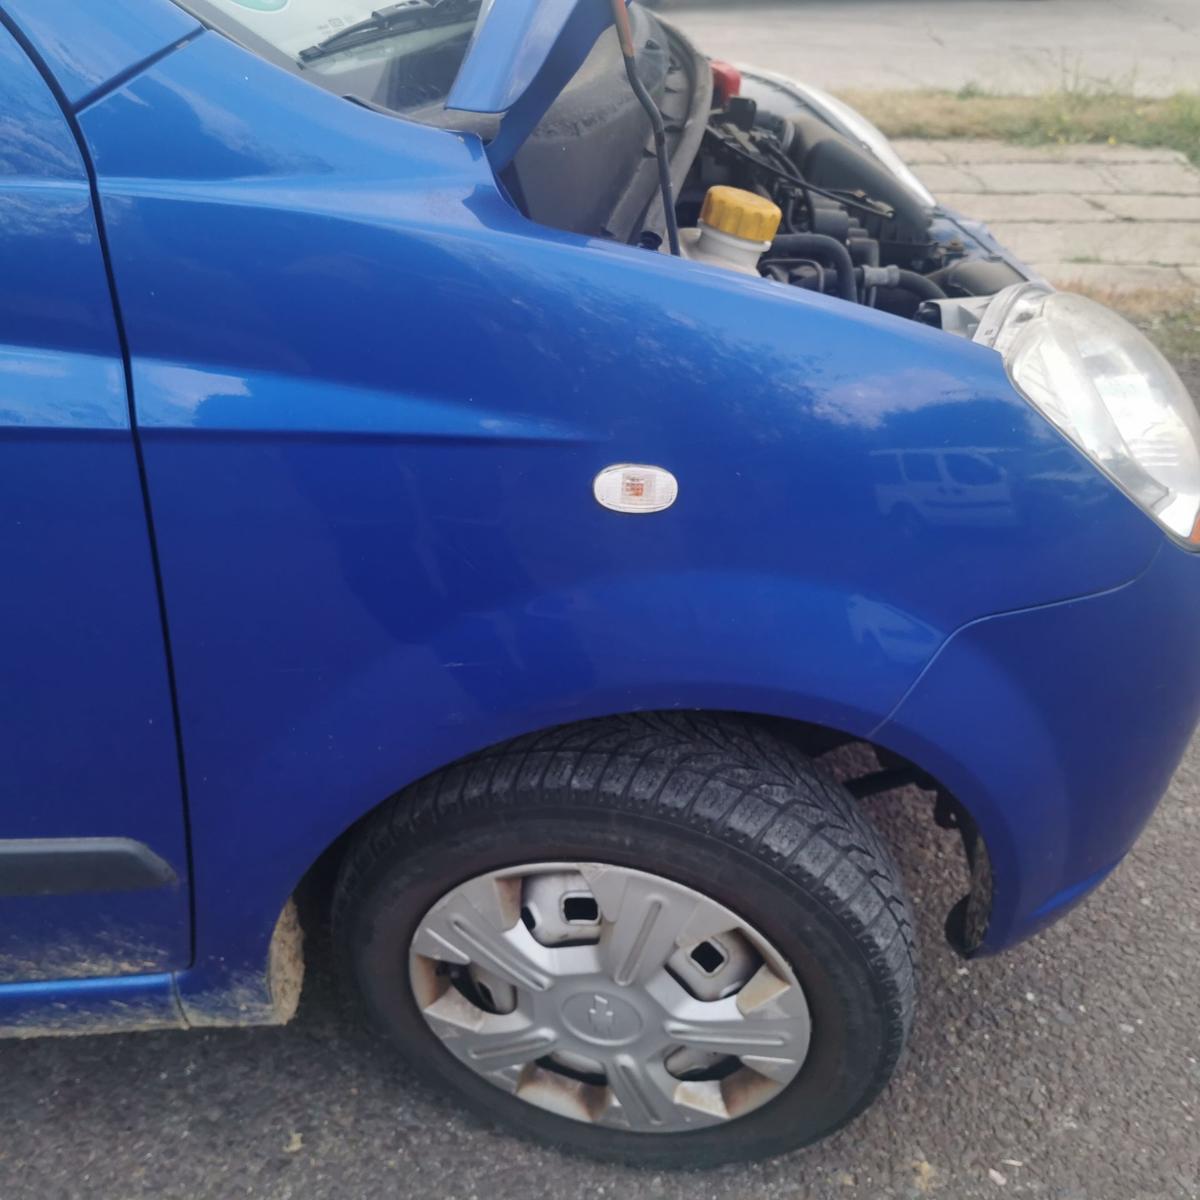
(1078, 112)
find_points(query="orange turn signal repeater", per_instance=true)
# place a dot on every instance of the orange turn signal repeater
(1195, 534)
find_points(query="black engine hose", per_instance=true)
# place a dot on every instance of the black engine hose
(826, 250)
(910, 281)
(665, 187)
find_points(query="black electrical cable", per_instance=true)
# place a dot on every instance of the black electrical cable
(789, 215)
(628, 53)
(779, 156)
(875, 208)
(825, 249)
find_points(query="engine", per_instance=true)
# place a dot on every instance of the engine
(849, 228)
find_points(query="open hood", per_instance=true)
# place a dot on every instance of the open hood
(523, 53)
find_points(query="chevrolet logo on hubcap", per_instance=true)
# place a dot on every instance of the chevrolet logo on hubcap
(602, 1018)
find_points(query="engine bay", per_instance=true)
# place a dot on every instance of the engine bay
(853, 222)
(850, 228)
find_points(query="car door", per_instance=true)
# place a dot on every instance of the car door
(93, 855)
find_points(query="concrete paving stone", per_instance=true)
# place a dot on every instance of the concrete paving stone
(1106, 277)
(1102, 152)
(940, 178)
(1037, 207)
(1047, 177)
(980, 150)
(916, 151)
(1013, 46)
(1149, 244)
(1136, 207)
(1168, 179)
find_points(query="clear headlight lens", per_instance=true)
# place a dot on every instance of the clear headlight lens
(1110, 391)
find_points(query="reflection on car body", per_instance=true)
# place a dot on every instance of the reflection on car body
(964, 486)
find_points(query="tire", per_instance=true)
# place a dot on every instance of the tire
(715, 805)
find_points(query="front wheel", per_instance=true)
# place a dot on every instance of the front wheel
(667, 940)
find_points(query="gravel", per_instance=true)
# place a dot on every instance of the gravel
(1067, 1069)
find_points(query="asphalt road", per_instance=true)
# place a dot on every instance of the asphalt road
(1067, 1069)
(1148, 46)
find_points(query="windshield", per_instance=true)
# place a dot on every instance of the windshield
(401, 56)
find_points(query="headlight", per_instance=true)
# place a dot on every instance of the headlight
(1110, 391)
(855, 126)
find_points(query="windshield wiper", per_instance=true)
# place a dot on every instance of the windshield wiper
(395, 18)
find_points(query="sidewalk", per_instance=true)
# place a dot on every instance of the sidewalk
(1149, 47)
(1116, 217)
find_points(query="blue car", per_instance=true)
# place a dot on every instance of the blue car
(475, 474)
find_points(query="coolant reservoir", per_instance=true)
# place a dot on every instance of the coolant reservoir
(735, 228)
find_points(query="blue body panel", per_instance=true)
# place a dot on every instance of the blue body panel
(87, 45)
(1078, 714)
(371, 399)
(371, 467)
(87, 745)
(89, 1006)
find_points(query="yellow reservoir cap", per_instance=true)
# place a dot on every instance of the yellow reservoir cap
(740, 213)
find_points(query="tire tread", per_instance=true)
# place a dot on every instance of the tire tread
(807, 826)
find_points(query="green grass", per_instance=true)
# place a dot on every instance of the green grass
(1174, 328)
(1170, 317)
(1071, 114)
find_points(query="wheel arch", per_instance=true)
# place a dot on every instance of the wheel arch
(216, 991)
(865, 767)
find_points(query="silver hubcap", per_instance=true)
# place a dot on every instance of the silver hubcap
(610, 996)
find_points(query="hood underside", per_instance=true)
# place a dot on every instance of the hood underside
(517, 41)
(521, 56)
